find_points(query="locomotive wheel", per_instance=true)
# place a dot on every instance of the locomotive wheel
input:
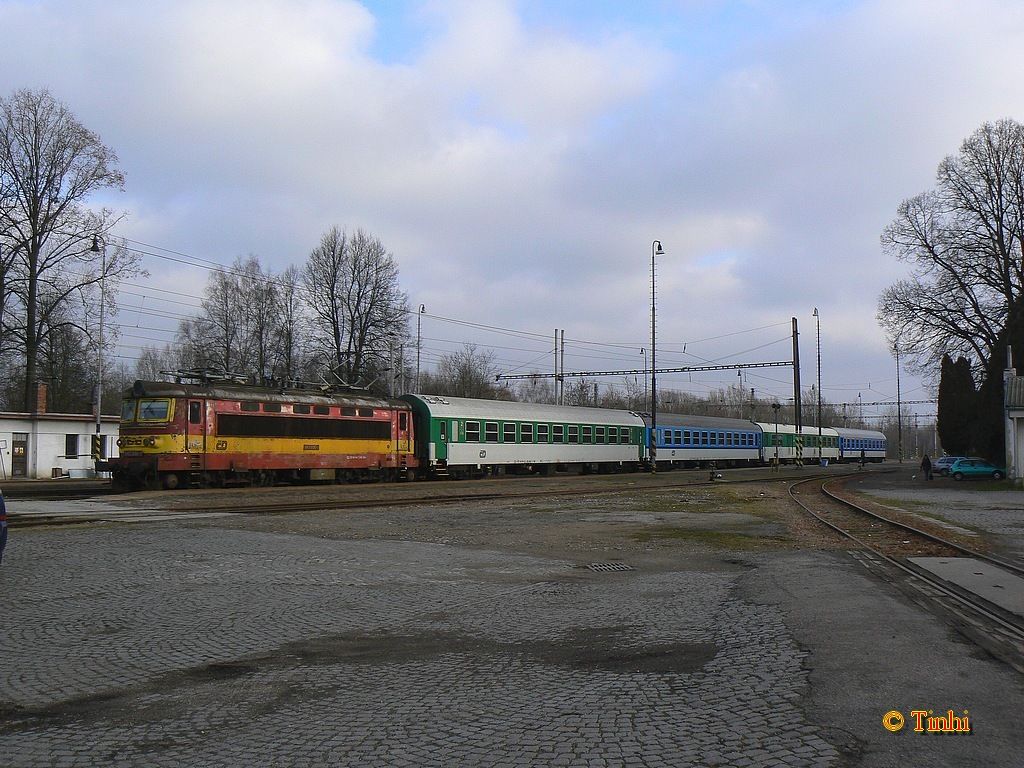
(170, 481)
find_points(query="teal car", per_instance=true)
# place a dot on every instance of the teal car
(965, 468)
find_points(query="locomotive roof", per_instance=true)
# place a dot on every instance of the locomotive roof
(263, 394)
(470, 408)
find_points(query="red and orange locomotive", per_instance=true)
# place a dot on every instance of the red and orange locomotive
(219, 433)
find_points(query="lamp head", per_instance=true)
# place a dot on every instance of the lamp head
(658, 250)
(95, 244)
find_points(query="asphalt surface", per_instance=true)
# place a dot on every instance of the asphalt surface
(475, 635)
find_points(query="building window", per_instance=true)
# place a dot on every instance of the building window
(71, 446)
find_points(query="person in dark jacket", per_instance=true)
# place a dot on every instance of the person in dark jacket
(926, 467)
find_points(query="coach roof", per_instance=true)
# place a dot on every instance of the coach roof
(505, 410)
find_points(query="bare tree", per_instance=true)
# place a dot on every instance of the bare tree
(359, 312)
(50, 163)
(465, 373)
(964, 240)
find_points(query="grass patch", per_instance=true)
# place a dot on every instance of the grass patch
(715, 539)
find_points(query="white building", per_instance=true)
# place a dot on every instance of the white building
(1014, 393)
(43, 445)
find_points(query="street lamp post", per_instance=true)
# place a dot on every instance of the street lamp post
(419, 319)
(899, 406)
(96, 248)
(656, 250)
(817, 321)
(644, 353)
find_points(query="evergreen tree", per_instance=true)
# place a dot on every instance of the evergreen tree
(957, 406)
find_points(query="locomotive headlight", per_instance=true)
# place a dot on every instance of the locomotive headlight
(149, 442)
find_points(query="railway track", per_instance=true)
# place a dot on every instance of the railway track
(904, 554)
(392, 496)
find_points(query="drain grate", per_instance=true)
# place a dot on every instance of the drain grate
(605, 567)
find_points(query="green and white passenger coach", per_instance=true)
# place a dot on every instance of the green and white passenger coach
(462, 437)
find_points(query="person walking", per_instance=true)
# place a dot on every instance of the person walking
(926, 467)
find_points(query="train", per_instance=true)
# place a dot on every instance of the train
(175, 435)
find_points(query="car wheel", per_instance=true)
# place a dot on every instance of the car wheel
(958, 476)
(997, 475)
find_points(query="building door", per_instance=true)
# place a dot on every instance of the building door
(19, 454)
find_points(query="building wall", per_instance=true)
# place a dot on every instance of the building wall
(46, 444)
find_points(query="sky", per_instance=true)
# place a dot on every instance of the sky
(520, 159)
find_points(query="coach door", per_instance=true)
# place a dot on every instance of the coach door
(195, 441)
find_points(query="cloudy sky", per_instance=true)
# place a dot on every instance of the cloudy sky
(519, 158)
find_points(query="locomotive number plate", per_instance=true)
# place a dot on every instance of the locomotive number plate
(311, 447)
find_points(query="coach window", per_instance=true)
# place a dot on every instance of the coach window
(588, 435)
(613, 435)
(472, 431)
(574, 433)
(300, 408)
(526, 433)
(250, 406)
(558, 433)
(542, 433)
(508, 432)
(679, 437)
(271, 407)
(624, 435)
(599, 435)
(490, 431)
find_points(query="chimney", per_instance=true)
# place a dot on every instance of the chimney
(40, 404)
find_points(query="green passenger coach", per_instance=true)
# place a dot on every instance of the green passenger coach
(461, 437)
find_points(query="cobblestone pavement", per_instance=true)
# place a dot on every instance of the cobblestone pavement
(159, 645)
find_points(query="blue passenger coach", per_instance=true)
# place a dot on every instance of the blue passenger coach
(853, 441)
(695, 440)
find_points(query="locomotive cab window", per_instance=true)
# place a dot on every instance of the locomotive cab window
(154, 410)
(128, 410)
(403, 421)
(195, 413)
